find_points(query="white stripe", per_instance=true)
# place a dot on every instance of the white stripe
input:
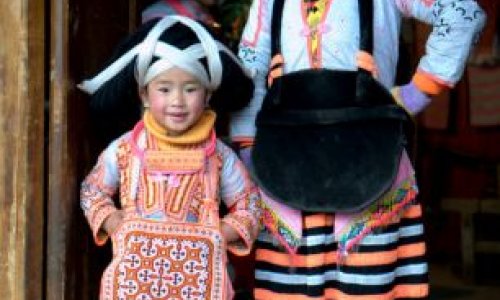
(391, 237)
(320, 239)
(413, 230)
(296, 279)
(379, 239)
(414, 269)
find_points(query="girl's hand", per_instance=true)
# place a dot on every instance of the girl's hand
(229, 234)
(112, 222)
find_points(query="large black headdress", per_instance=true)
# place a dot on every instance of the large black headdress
(156, 46)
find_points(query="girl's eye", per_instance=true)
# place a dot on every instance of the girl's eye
(191, 89)
(164, 89)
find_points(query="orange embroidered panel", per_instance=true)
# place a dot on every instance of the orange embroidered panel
(154, 260)
(178, 161)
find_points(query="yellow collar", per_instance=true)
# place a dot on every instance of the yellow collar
(198, 133)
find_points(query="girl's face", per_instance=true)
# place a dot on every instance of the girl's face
(176, 100)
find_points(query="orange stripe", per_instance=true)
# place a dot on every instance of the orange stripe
(353, 259)
(412, 290)
(411, 250)
(371, 259)
(413, 212)
(428, 84)
(285, 260)
(177, 203)
(318, 220)
(336, 294)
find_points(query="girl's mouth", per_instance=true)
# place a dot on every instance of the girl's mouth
(177, 117)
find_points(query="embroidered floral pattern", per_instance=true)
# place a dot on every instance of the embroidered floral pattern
(247, 54)
(379, 214)
(460, 10)
(279, 229)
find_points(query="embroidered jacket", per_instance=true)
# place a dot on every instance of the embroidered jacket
(329, 38)
(175, 197)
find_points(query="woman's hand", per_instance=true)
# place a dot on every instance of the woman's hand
(113, 221)
(411, 98)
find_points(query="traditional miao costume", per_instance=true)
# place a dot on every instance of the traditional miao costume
(169, 245)
(378, 252)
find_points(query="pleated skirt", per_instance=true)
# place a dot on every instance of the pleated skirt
(387, 264)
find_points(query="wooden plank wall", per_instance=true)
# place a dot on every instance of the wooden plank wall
(22, 96)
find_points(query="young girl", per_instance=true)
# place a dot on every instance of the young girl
(327, 146)
(170, 170)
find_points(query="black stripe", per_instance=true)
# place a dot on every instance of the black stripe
(317, 230)
(413, 279)
(413, 239)
(376, 248)
(350, 289)
(362, 270)
(303, 250)
(318, 290)
(410, 221)
(412, 260)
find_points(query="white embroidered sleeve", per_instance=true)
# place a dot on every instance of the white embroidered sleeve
(456, 25)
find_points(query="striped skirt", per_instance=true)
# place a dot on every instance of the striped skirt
(387, 264)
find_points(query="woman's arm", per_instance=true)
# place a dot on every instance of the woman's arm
(456, 25)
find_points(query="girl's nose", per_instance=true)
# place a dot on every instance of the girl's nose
(177, 98)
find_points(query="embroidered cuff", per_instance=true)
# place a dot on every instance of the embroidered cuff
(243, 226)
(428, 83)
(100, 236)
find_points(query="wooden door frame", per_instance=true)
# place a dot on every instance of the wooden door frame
(22, 96)
(62, 181)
